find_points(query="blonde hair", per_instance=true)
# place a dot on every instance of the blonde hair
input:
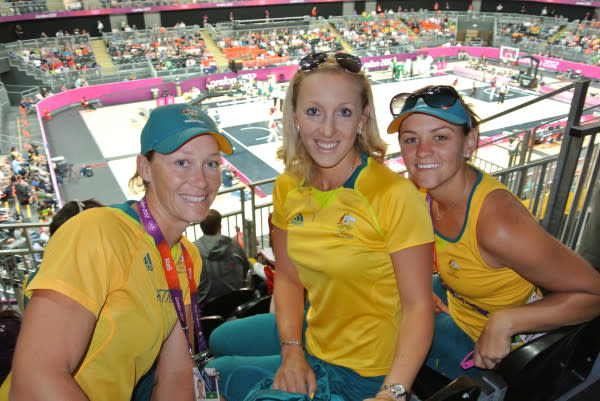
(296, 158)
(136, 183)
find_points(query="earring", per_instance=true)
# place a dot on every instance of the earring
(467, 156)
(298, 129)
(359, 131)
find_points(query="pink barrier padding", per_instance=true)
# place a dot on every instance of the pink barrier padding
(243, 178)
(478, 75)
(572, 2)
(567, 97)
(546, 63)
(91, 92)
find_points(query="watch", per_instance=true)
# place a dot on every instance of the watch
(397, 390)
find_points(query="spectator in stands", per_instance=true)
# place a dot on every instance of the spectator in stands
(80, 82)
(492, 256)
(19, 166)
(178, 169)
(224, 264)
(19, 32)
(333, 152)
(14, 152)
(23, 191)
(28, 104)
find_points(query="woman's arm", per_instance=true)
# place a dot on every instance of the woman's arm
(174, 379)
(513, 238)
(295, 374)
(54, 335)
(415, 332)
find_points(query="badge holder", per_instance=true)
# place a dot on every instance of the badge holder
(206, 384)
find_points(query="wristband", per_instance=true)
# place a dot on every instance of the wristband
(295, 342)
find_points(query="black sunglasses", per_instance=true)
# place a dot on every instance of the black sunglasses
(438, 97)
(347, 61)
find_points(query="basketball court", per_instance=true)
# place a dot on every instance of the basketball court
(107, 138)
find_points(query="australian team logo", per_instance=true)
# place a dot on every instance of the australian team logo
(345, 226)
(190, 113)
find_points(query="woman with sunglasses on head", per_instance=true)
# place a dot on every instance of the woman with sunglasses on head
(352, 234)
(492, 257)
(345, 236)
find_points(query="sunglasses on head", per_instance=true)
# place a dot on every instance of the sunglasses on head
(438, 97)
(346, 61)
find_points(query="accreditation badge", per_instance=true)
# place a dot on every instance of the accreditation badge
(206, 384)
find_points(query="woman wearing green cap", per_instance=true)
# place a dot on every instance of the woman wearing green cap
(491, 255)
(113, 293)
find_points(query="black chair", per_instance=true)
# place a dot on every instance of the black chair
(563, 364)
(462, 389)
(551, 365)
(209, 324)
(225, 305)
(253, 307)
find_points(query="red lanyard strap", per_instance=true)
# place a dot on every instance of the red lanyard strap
(152, 228)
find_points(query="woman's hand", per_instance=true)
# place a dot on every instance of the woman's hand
(439, 306)
(295, 374)
(493, 344)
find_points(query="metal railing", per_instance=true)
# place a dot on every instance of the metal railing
(54, 79)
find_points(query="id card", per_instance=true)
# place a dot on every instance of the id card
(206, 384)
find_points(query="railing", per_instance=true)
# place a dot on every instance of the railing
(54, 80)
(4, 102)
(18, 259)
(555, 190)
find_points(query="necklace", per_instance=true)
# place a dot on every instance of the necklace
(439, 215)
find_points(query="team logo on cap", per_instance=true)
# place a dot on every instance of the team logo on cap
(191, 115)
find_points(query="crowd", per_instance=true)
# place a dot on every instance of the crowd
(292, 42)
(26, 184)
(56, 59)
(529, 32)
(171, 49)
(377, 34)
(390, 30)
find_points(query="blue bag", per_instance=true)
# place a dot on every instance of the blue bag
(263, 390)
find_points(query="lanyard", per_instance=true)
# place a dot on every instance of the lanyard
(171, 276)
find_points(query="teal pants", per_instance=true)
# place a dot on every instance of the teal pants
(248, 350)
(450, 344)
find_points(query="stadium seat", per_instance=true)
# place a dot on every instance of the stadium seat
(225, 305)
(557, 365)
(253, 307)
